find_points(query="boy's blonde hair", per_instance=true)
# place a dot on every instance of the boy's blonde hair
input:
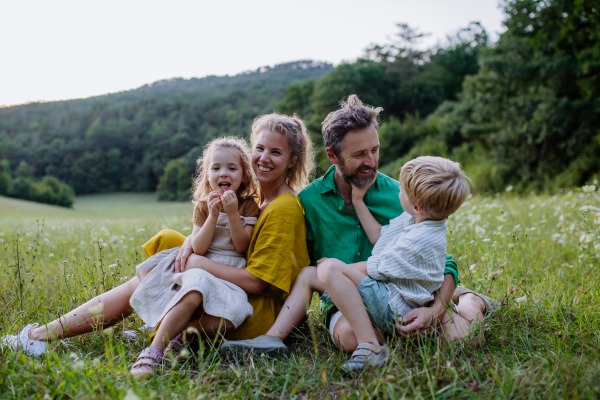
(298, 140)
(436, 184)
(201, 185)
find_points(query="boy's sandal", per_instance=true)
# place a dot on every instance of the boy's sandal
(147, 362)
(366, 353)
(491, 305)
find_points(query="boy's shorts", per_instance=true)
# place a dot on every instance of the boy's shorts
(375, 298)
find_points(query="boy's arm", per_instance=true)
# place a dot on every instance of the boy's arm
(370, 225)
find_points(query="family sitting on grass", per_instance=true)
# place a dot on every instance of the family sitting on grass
(379, 248)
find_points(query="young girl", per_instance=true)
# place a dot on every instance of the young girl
(224, 216)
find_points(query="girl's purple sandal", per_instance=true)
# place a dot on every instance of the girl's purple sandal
(147, 362)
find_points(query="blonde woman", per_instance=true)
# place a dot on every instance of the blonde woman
(282, 160)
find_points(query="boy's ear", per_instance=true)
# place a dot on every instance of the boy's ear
(332, 158)
(418, 209)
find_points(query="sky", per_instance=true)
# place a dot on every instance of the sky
(56, 50)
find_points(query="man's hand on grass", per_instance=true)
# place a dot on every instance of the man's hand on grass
(419, 321)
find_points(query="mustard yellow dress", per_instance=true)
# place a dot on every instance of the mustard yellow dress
(276, 254)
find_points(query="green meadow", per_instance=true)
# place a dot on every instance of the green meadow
(539, 255)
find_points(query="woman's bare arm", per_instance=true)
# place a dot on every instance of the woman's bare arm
(238, 276)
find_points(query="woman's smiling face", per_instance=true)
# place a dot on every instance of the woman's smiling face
(271, 157)
(225, 170)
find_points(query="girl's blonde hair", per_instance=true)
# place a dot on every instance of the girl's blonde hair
(294, 130)
(201, 185)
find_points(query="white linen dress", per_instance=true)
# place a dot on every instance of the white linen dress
(162, 288)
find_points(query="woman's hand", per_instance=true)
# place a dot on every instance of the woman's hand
(194, 261)
(230, 203)
(359, 193)
(214, 204)
(183, 254)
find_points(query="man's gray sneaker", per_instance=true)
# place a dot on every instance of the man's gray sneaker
(366, 353)
(270, 346)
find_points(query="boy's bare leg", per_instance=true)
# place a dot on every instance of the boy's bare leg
(345, 338)
(80, 320)
(295, 306)
(340, 280)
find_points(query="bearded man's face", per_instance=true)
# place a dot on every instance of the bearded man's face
(359, 159)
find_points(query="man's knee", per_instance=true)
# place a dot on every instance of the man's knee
(344, 336)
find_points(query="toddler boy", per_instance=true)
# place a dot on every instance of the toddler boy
(407, 263)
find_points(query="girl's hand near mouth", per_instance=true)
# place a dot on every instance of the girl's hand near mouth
(230, 202)
(214, 204)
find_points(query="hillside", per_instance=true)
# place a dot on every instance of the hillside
(122, 141)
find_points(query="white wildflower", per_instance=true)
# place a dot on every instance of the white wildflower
(96, 310)
(130, 395)
(184, 353)
(141, 230)
(521, 300)
(589, 188)
(509, 188)
(584, 238)
(78, 365)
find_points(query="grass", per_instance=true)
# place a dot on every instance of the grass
(539, 255)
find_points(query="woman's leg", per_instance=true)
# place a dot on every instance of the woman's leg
(296, 305)
(79, 321)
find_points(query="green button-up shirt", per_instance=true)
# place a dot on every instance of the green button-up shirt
(334, 232)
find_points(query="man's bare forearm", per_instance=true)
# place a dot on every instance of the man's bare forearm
(443, 296)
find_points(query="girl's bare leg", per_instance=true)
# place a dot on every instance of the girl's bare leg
(80, 320)
(176, 319)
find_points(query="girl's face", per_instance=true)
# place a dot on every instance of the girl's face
(225, 170)
(271, 157)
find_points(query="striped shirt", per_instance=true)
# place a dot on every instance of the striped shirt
(410, 259)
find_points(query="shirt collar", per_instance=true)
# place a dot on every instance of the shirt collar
(327, 183)
(410, 223)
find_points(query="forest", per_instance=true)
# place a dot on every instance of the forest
(522, 112)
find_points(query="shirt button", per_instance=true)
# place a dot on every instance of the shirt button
(359, 253)
(340, 208)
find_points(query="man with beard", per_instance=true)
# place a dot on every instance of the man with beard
(333, 230)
